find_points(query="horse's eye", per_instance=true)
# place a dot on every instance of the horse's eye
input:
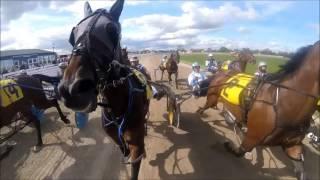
(112, 30)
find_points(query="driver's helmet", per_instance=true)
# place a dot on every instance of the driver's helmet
(210, 55)
(261, 64)
(195, 64)
(23, 72)
(134, 59)
(165, 57)
(62, 65)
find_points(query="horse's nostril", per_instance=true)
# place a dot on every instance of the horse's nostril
(82, 86)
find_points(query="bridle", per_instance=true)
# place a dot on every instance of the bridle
(81, 47)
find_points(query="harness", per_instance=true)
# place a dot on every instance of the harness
(120, 122)
(103, 74)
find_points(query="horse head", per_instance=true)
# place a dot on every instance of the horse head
(96, 48)
(246, 56)
(242, 58)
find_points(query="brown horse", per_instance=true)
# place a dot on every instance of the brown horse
(171, 66)
(236, 66)
(282, 107)
(95, 68)
(24, 92)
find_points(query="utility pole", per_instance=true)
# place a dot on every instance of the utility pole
(52, 47)
(53, 52)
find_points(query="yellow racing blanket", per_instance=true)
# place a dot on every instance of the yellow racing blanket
(236, 84)
(143, 80)
(10, 92)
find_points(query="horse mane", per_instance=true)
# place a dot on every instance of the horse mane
(292, 65)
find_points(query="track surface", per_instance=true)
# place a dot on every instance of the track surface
(194, 151)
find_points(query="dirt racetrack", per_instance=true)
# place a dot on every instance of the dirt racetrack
(194, 151)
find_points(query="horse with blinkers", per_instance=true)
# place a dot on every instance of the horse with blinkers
(97, 68)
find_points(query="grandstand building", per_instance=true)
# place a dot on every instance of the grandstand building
(12, 60)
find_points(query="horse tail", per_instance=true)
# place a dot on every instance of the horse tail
(48, 79)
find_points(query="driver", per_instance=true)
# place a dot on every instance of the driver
(211, 64)
(164, 60)
(135, 64)
(262, 70)
(225, 65)
(196, 77)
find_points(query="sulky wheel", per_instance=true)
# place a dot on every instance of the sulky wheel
(174, 115)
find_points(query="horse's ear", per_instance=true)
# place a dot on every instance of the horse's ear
(87, 9)
(71, 37)
(116, 9)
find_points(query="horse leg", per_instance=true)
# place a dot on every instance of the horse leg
(113, 133)
(212, 101)
(169, 77)
(45, 104)
(36, 122)
(136, 146)
(137, 152)
(5, 153)
(162, 74)
(295, 153)
(62, 116)
(248, 143)
(176, 79)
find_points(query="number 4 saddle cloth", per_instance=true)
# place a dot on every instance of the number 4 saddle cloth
(10, 92)
(241, 86)
(235, 89)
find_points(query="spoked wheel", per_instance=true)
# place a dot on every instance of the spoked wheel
(146, 124)
(177, 116)
(174, 116)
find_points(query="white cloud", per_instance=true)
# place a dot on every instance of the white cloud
(178, 30)
(189, 29)
(315, 27)
(269, 8)
(243, 30)
(32, 31)
(136, 2)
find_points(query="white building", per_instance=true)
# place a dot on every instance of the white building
(12, 60)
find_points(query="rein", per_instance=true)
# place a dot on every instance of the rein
(33, 88)
(109, 119)
(292, 89)
(2, 140)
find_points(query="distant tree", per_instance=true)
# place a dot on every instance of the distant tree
(246, 50)
(255, 51)
(267, 52)
(209, 50)
(224, 49)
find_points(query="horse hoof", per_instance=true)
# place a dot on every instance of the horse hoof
(5, 153)
(227, 146)
(301, 176)
(199, 111)
(66, 121)
(36, 149)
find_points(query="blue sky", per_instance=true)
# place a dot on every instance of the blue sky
(277, 25)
